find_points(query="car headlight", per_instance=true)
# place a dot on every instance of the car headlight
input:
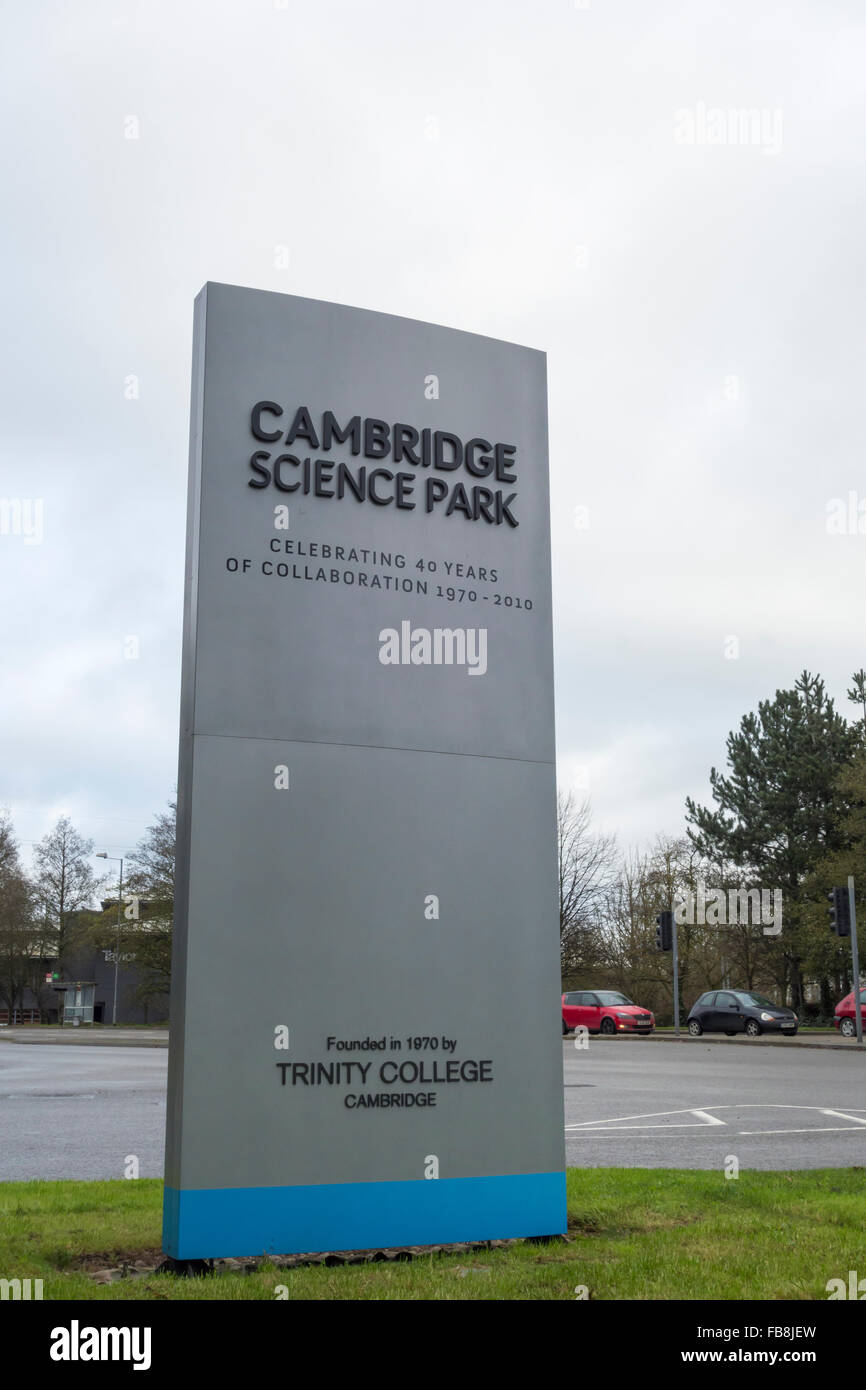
(767, 1018)
(623, 1015)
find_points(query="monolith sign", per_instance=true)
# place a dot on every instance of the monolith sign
(365, 1030)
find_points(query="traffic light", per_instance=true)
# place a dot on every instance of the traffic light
(840, 912)
(665, 931)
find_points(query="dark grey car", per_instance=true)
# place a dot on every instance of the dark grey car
(733, 1011)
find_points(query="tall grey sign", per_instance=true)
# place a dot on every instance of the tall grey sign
(365, 1031)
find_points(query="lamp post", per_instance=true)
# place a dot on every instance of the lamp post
(114, 860)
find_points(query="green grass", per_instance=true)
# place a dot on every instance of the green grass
(634, 1234)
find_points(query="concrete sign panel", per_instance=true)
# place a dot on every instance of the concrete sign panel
(365, 1024)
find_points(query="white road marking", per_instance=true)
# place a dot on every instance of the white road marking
(810, 1129)
(650, 1115)
(855, 1126)
(706, 1120)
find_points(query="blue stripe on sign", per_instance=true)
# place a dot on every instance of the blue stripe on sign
(208, 1223)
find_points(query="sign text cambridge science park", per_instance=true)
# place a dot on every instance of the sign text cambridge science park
(366, 1044)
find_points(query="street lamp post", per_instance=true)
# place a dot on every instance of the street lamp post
(114, 860)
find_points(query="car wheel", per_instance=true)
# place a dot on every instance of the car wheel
(564, 1027)
(753, 1028)
(847, 1028)
(608, 1026)
(695, 1028)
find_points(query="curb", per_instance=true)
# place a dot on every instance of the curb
(794, 1044)
(72, 1040)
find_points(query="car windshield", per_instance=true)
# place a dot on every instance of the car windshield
(760, 999)
(610, 996)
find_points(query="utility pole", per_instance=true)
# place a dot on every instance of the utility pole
(117, 941)
(676, 964)
(855, 959)
(666, 940)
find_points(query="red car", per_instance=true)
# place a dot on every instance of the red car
(844, 1018)
(604, 1011)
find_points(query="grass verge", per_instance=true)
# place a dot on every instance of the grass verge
(633, 1234)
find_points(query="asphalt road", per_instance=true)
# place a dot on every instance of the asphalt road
(639, 1103)
(79, 1112)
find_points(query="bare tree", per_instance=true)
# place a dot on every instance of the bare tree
(586, 869)
(151, 880)
(626, 958)
(647, 884)
(65, 883)
(20, 937)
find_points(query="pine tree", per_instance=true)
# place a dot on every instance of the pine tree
(780, 808)
(857, 694)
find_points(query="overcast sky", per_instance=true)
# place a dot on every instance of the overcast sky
(573, 177)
